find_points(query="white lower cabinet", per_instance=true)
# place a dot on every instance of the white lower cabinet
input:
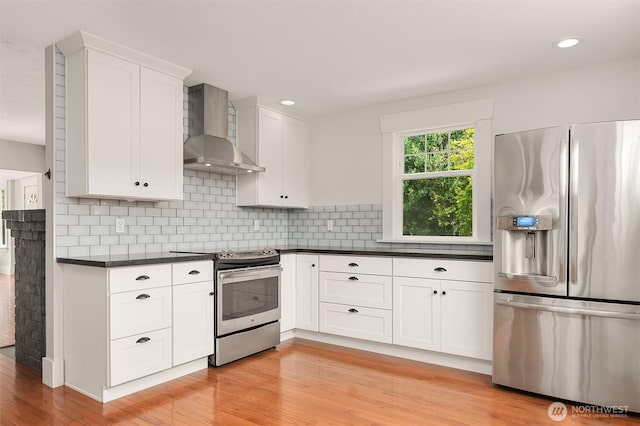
(449, 316)
(466, 312)
(193, 317)
(358, 322)
(123, 325)
(288, 292)
(416, 313)
(139, 355)
(307, 292)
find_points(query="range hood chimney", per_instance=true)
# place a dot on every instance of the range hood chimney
(207, 147)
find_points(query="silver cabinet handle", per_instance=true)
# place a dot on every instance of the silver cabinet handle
(143, 340)
(546, 280)
(353, 265)
(353, 310)
(571, 311)
(440, 269)
(194, 272)
(142, 278)
(353, 278)
(142, 296)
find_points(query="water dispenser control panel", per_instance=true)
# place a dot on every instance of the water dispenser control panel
(526, 223)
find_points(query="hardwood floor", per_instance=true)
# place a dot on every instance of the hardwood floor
(301, 382)
(7, 310)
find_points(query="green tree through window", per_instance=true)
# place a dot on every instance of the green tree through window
(438, 183)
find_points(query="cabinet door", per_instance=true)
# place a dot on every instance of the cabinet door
(113, 125)
(192, 321)
(288, 292)
(467, 318)
(296, 163)
(416, 312)
(270, 156)
(161, 135)
(307, 292)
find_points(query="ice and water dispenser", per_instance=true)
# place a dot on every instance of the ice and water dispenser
(527, 254)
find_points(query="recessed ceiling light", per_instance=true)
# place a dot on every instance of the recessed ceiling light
(568, 42)
(288, 102)
(207, 164)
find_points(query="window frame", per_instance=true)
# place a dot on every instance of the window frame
(476, 114)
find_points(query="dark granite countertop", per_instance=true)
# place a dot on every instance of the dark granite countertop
(404, 252)
(110, 261)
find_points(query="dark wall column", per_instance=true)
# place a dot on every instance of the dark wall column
(28, 229)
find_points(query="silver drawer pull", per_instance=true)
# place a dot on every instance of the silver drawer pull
(194, 272)
(353, 264)
(143, 340)
(142, 296)
(353, 278)
(440, 269)
(142, 278)
(353, 310)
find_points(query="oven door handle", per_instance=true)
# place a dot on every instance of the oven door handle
(248, 272)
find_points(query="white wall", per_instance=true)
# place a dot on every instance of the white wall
(21, 156)
(347, 146)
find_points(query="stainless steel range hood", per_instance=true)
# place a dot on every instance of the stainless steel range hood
(207, 147)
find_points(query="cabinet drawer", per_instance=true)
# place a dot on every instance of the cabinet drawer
(137, 356)
(192, 272)
(356, 264)
(356, 321)
(372, 291)
(461, 270)
(139, 311)
(138, 277)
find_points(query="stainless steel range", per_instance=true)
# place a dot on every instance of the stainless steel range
(247, 313)
(247, 303)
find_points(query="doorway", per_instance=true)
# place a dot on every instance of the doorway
(19, 190)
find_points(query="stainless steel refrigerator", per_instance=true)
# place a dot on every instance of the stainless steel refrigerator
(567, 263)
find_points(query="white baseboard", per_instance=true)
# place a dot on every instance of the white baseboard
(6, 270)
(115, 392)
(52, 372)
(286, 335)
(438, 358)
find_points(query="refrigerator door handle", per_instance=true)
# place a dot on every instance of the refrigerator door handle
(574, 145)
(545, 280)
(571, 311)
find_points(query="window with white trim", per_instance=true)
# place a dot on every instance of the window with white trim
(437, 174)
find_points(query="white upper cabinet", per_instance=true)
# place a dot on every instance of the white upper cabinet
(124, 122)
(279, 143)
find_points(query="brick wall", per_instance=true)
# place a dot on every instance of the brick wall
(28, 229)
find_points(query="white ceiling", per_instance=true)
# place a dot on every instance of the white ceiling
(328, 55)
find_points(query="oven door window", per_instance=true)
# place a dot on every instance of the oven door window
(247, 298)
